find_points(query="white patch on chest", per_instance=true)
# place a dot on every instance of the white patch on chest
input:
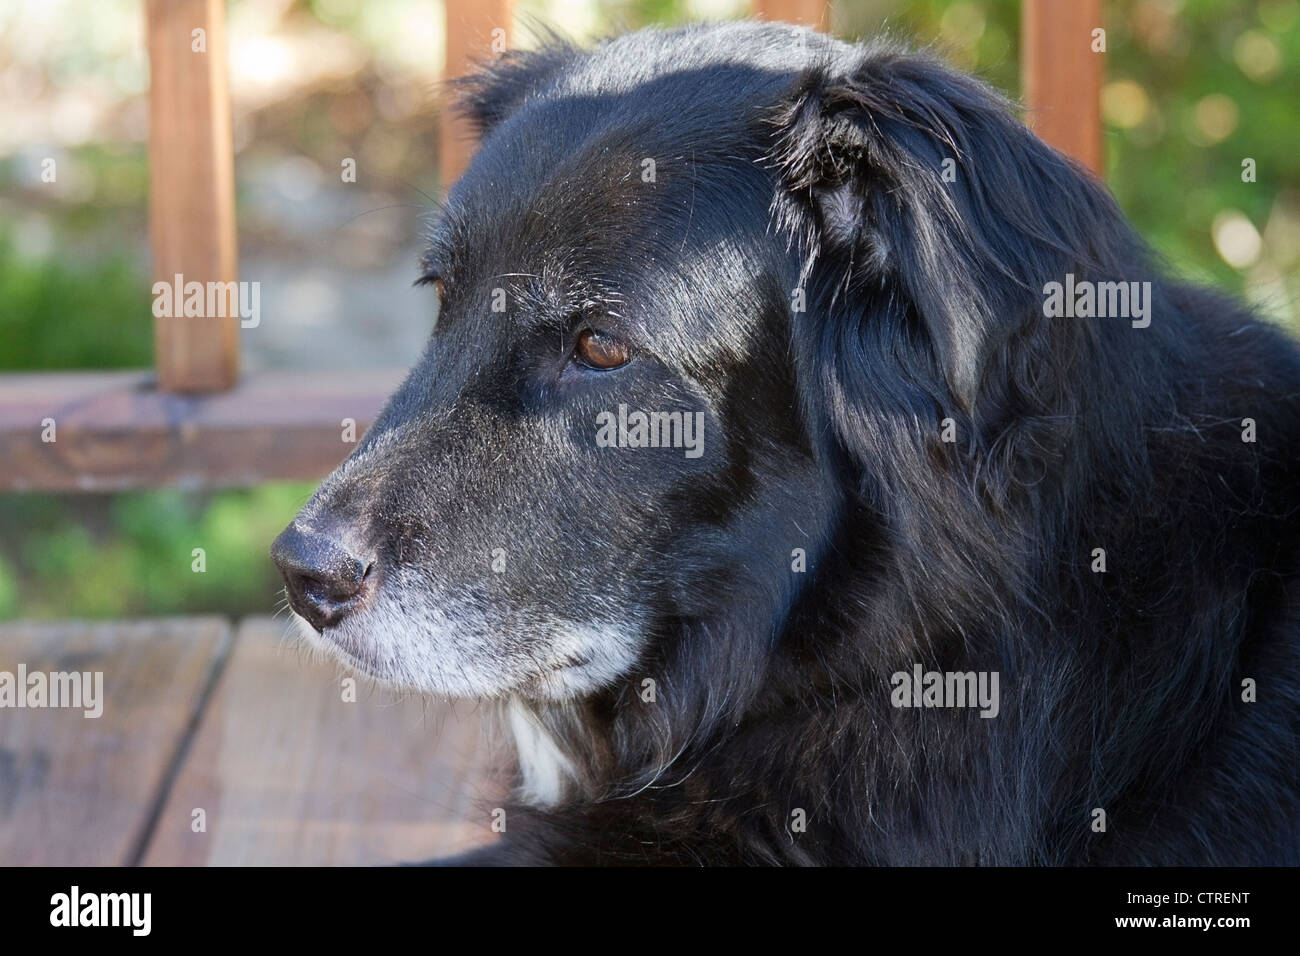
(545, 769)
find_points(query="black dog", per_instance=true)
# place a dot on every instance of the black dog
(818, 469)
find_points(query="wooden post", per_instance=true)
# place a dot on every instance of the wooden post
(1061, 76)
(809, 13)
(470, 36)
(191, 188)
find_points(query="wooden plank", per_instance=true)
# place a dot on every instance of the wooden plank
(115, 430)
(1061, 76)
(811, 13)
(191, 187)
(289, 773)
(469, 37)
(78, 791)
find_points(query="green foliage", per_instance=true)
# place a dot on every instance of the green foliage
(59, 315)
(133, 554)
(1170, 175)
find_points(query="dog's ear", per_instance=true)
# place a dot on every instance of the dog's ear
(915, 194)
(500, 86)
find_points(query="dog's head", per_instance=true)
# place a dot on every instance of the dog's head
(783, 261)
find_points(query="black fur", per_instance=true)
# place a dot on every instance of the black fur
(787, 161)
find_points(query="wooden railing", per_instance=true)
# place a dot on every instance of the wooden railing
(195, 421)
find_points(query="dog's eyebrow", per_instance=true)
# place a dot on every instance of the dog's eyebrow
(434, 258)
(439, 244)
(430, 269)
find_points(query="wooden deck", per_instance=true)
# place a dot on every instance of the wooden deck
(233, 721)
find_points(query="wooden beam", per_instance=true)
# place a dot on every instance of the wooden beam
(810, 13)
(1061, 76)
(116, 430)
(470, 36)
(191, 187)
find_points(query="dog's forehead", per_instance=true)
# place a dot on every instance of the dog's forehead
(620, 140)
(635, 194)
(588, 195)
(605, 213)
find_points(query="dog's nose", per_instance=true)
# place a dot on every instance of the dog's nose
(325, 581)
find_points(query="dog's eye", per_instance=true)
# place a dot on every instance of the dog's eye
(601, 350)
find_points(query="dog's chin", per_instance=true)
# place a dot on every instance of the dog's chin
(554, 661)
